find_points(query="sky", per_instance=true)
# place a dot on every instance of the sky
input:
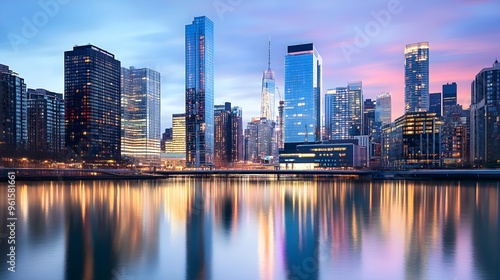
(358, 41)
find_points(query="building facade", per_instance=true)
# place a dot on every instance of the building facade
(92, 103)
(449, 97)
(228, 135)
(140, 117)
(303, 81)
(259, 140)
(199, 93)
(13, 112)
(435, 104)
(344, 111)
(417, 77)
(45, 123)
(412, 141)
(166, 139)
(485, 117)
(383, 108)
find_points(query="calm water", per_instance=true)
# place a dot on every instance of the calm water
(254, 229)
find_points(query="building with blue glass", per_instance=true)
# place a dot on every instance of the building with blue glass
(92, 102)
(140, 117)
(13, 112)
(303, 81)
(344, 111)
(435, 103)
(199, 93)
(417, 77)
(449, 97)
(268, 89)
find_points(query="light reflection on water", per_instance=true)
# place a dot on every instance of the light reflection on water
(255, 229)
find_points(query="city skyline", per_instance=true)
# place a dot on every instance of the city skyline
(35, 37)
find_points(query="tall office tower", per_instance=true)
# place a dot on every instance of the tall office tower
(166, 139)
(268, 88)
(259, 140)
(368, 116)
(200, 93)
(303, 80)
(13, 112)
(484, 116)
(140, 118)
(45, 123)
(417, 77)
(449, 97)
(92, 104)
(228, 135)
(435, 103)
(178, 135)
(343, 111)
(383, 108)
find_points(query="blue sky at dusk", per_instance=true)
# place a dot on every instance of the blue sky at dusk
(358, 40)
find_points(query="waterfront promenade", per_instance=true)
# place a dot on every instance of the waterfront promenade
(37, 174)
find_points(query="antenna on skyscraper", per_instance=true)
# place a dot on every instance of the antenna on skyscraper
(269, 54)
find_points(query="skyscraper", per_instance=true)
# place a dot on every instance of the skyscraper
(435, 103)
(178, 135)
(45, 123)
(417, 77)
(485, 115)
(303, 80)
(344, 111)
(92, 103)
(13, 112)
(259, 139)
(383, 108)
(268, 89)
(228, 135)
(200, 92)
(449, 97)
(140, 117)
(368, 116)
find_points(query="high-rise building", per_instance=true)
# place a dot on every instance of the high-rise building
(228, 135)
(13, 112)
(449, 97)
(435, 103)
(200, 93)
(140, 117)
(303, 81)
(343, 111)
(383, 108)
(92, 101)
(368, 116)
(45, 123)
(417, 77)
(166, 139)
(178, 135)
(268, 89)
(259, 140)
(485, 116)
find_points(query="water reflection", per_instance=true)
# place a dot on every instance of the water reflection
(255, 229)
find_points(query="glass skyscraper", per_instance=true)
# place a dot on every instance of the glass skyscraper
(200, 93)
(92, 104)
(344, 111)
(303, 81)
(45, 123)
(383, 108)
(13, 112)
(228, 135)
(417, 77)
(268, 89)
(485, 116)
(435, 103)
(140, 101)
(449, 97)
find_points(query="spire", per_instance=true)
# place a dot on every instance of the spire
(269, 55)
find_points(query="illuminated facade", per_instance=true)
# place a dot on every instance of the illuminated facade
(178, 143)
(200, 93)
(330, 155)
(449, 97)
(140, 117)
(45, 123)
(412, 141)
(268, 89)
(417, 77)
(92, 101)
(303, 81)
(344, 111)
(383, 108)
(228, 135)
(13, 112)
(485, 117)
